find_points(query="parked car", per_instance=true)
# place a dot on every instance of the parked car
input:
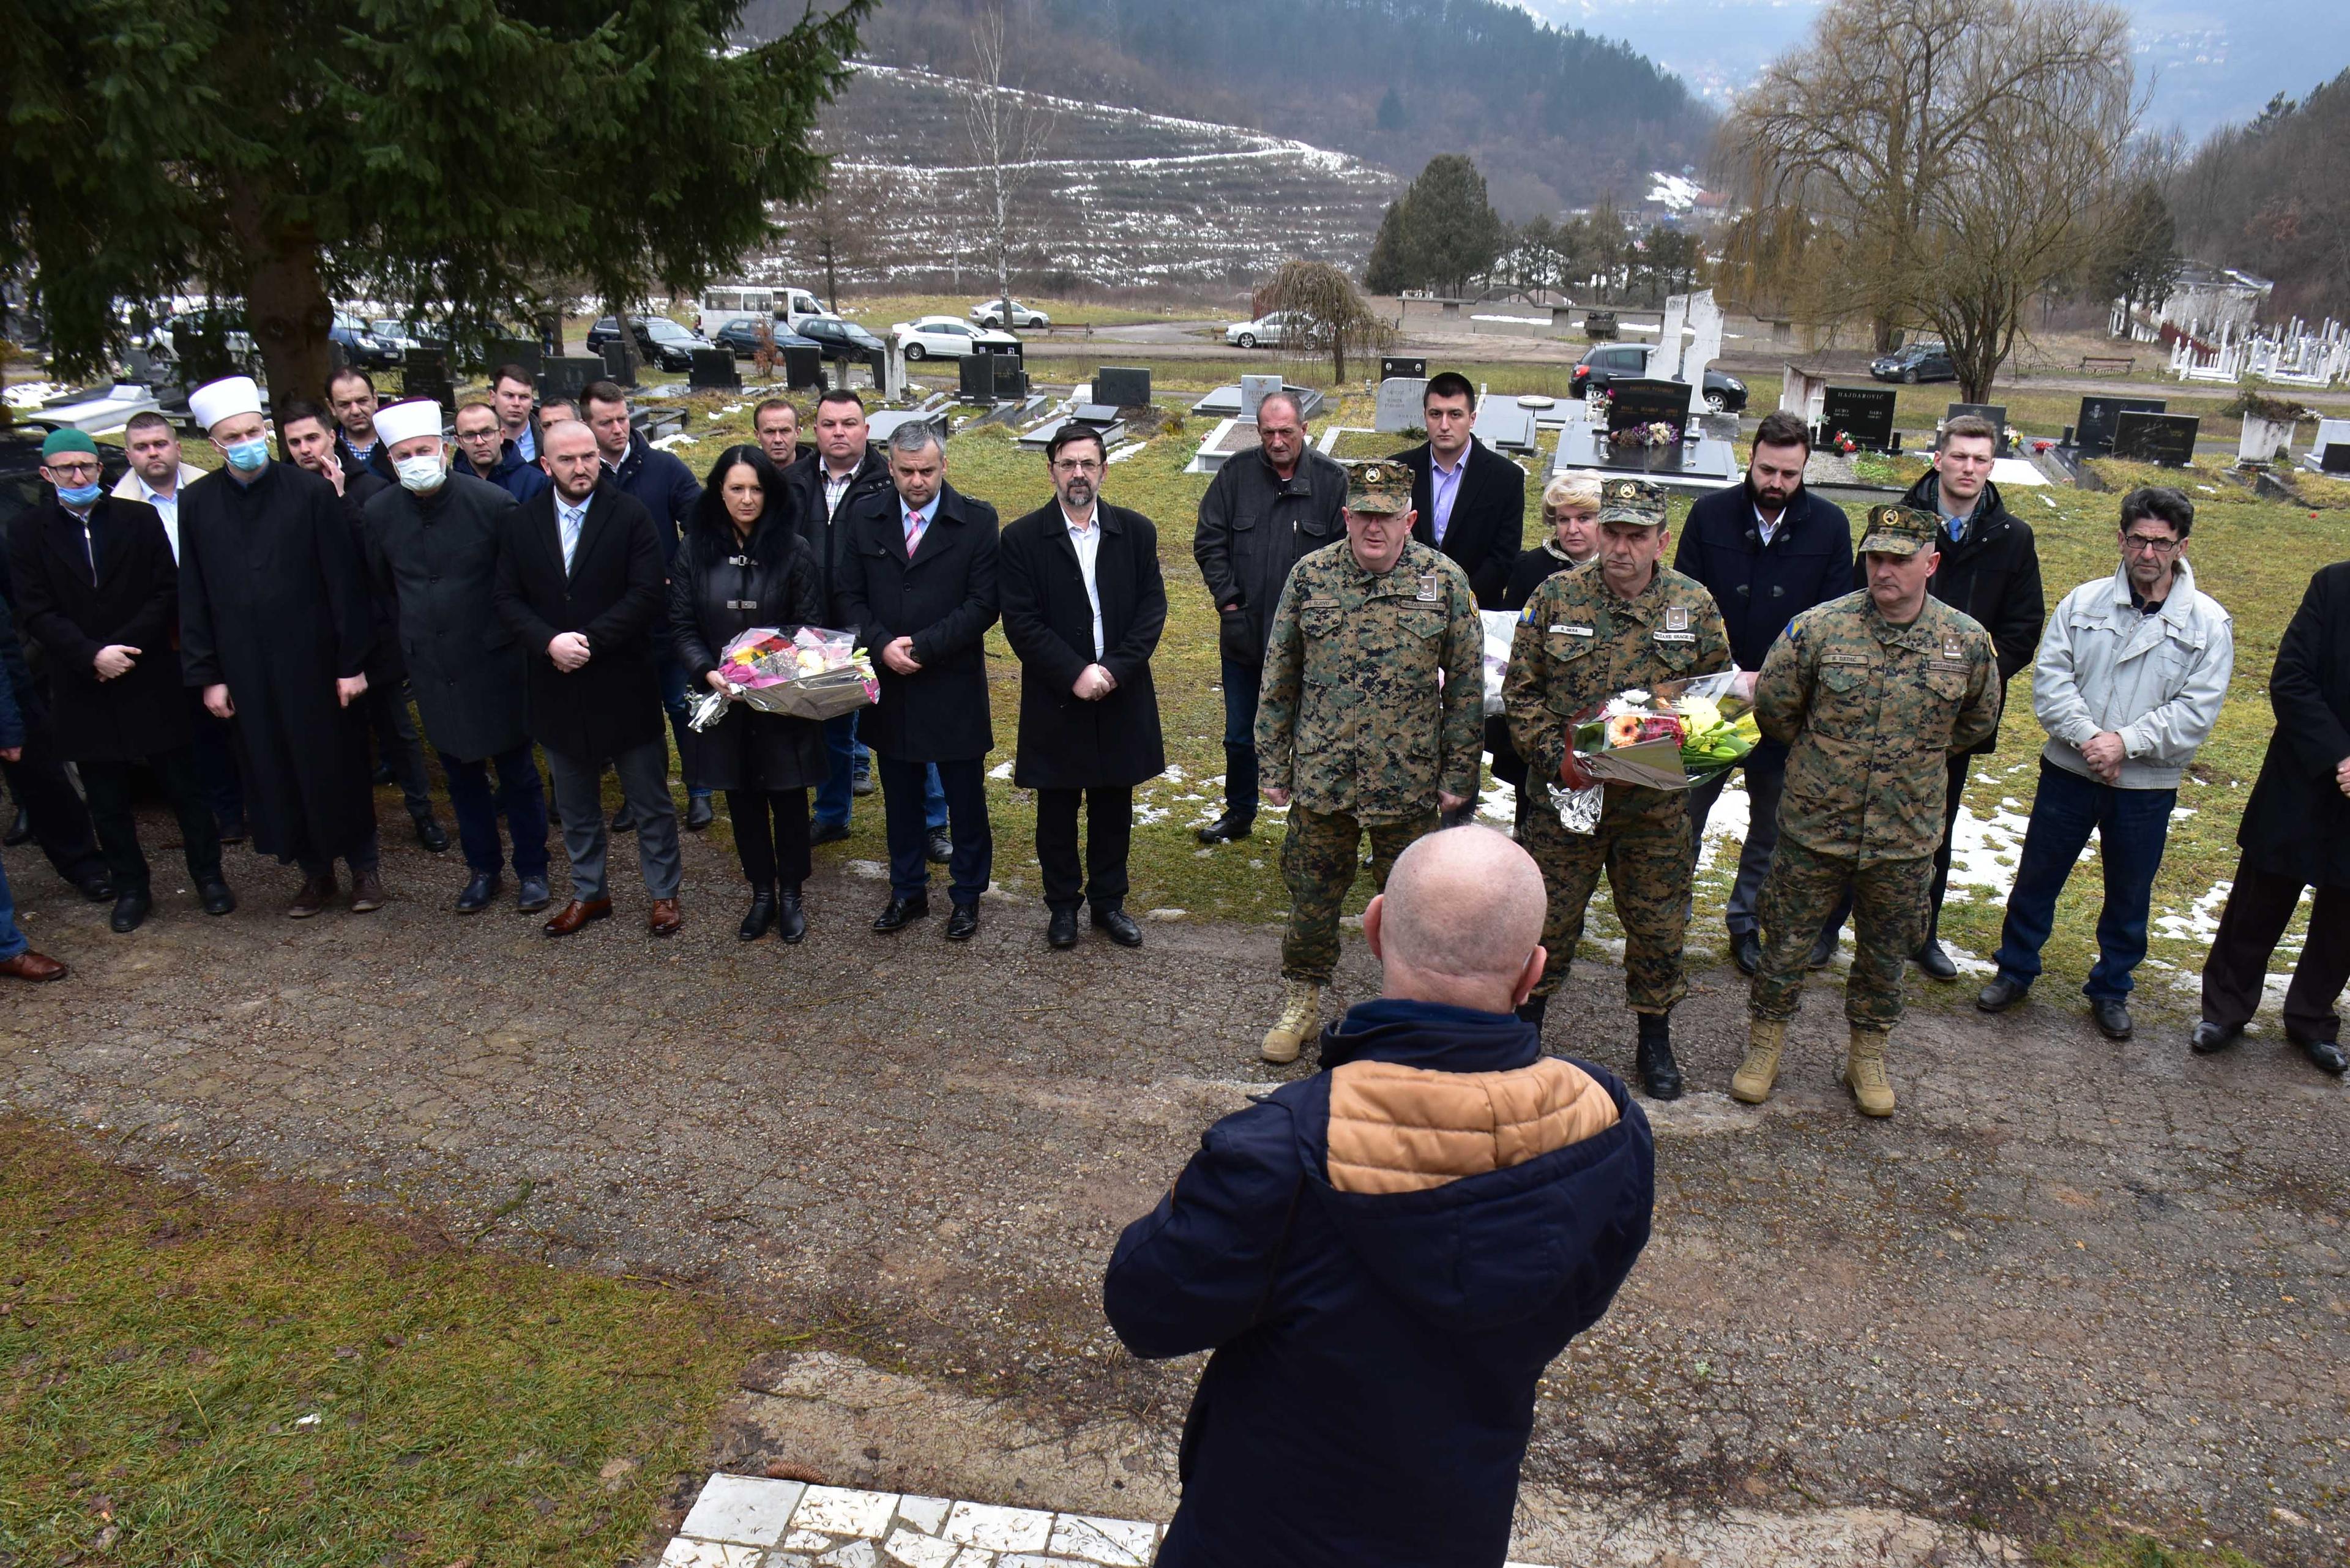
(659, 341)
(990, 313)
(841, 339)
(1724, 394)
(936, 336)
(742, 334)
(226, 322)
(21, 484)
(1927, 361)
(1264, 332)
(364, 348)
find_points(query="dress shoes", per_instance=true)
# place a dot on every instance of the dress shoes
(576, 914)
(1823, 951)
(1117, 925)
(233, 831)
(98, 886)
(698, 813)
(532, 895)
(2209, 1039)
(311, 898)
(216, 897)
(760, 916)
(20, 829)
(1226, 829)
(940, 846)
(623, 819)
(478, 893)
(791, 917)
(664, 919)
(2001, 995)
(1934, 961)
(30, 965)
(964, 924)
(366, 891)
(1061, 930)
(2325, 1054)
(827, 833)
(2112, 1019)
(130, 908)
(899, 912)
(1746, 951)
(431, 835)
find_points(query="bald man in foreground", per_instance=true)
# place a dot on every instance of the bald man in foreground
(1385, 1256)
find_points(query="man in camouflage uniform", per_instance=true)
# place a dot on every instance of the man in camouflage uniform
(1630, 622)
(1352, 719)
(1872, 694)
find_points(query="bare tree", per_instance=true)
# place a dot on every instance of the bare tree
(1336, 320)
(1008, 130)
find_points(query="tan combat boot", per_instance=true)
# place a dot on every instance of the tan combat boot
(1765, 1038)
(1864, 1073)
(1301, 1011)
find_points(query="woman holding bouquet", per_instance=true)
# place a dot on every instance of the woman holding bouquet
(742, 564)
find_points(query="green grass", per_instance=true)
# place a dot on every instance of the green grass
(2107, 1546)
(268, 1379)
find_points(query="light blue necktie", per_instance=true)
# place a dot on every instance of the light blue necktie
(571, 520)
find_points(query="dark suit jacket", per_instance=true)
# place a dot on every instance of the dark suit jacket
(616, 591)
(135, 602)
(1489, 516)
(805, 483)
(379, 461)
(1066, 741)
(945, 600)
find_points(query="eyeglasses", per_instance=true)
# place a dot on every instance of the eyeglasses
(77, 469)
(2141, 544)
(1076, 465)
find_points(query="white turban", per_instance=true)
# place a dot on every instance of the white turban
(403, 422)
(223, 399)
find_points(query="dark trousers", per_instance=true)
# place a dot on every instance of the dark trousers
(520, 798)
(216, 764)
(1766, 778)
(1956, 797)
(771, 835)
(396, 746)
(1099, 873)
(1239, 682)
(2259, 907)
(111, 785)
(676, 684)
(844, 756)
(904, 820)
(366, 858)
(2131, 826)
(59, 820)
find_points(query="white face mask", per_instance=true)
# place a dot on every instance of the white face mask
(421, 475)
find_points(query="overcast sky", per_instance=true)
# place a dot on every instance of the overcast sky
(2211, 61)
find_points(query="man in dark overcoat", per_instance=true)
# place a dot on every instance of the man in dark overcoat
(1083, 609)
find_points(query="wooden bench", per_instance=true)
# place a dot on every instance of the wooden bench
(2120, 364)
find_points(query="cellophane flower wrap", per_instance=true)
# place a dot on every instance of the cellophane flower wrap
(801, 672)
(1675, 735)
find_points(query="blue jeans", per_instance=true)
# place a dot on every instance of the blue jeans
(1240, 683)
(675, 683)
(963, 784)
(843, 749)
(2132, 826)
(12, 941)
(521, 797)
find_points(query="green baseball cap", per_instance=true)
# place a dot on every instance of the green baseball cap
(1632, 501)
(1898, 531)
(1381, 486)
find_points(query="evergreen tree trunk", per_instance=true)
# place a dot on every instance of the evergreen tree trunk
(285, 306)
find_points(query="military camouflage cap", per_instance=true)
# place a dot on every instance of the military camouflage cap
(1632, 501)
(1898, 531)
(1381, 486)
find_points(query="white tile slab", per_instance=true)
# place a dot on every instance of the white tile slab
(918, 1550)
(837, 1510)
(1111, 1543)
(749, 1510)
(856, 1555)
(972, 1557)
(684, 1553)
(999, 1529)
(927, 1515)
(808, 1540)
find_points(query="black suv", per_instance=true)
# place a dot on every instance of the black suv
(1724, 394)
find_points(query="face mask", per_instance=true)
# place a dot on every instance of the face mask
(78, 495)
(421, 475)
(247, 456)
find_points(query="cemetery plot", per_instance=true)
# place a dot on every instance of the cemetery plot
(1864, 415)
(2094, 432)
(2167, 439)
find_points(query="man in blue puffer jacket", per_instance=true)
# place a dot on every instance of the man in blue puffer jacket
(1386, 1256)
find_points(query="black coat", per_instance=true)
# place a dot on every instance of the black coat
(385, 668)
(378, 462)
(805, 481)
(615, 593)
(2297, 823)
(718, 590)
(1066, 743)
(135, 602)
(1489, 516)
(1253, 526)
(1761, 587)
(1994, 577)
(945, 600)
(274, 602)
(437, 558)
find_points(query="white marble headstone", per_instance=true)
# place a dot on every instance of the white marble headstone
(1666, 362)
(1705, 318)
(1401, 400)
(1253, 391)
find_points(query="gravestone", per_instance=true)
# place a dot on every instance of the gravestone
(2167, 439)
(616, 367)
(1392, 369)
(2260, 440)
(2333, 440)
(1865, 414)
(1995, 412)
(1665, 364)
(424, 373)
(1503, 424)
(713, 370)
(1253, 389)
(1705, 317)
(803, 365)
(563, 376)
(2334, 458)
(1122, 386)
(522, 351)
(975, 379)
(1401, 400)
(2093, 435)
(1802, 393)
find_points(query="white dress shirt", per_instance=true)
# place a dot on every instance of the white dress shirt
(1086, 538)
(131, 487)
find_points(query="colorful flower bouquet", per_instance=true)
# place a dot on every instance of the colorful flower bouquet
(808, 673)
(1678, 735)
(1662, 433)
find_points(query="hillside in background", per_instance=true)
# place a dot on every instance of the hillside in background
(2274, 197)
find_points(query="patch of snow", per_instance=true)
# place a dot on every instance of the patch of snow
(668, 441)
(33, 394)
(2202, 921)
(1128, 449)
(1675, 193)
(1001, 770)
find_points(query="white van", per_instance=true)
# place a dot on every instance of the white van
(723, 301)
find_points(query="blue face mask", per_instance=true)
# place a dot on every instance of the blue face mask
(78, 495)
(247, 456)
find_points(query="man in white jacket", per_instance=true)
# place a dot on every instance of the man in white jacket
(2127, 683)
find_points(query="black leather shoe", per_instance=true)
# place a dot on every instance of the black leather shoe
(2112, 1019)
(1660, 1075)
(531, 895)
(1227, 829)
(1823, 951)
(2209, 1039)
(131, 911)
(1532, 1010)
(233, 832)
(478, 893)
(760, 916)
(2325, 1054)
(1061, 930)
(940, 846)
(216, 897)
(698, 813)
(964, 924)
(791, 919)
(20, 829)
(1118, 927)
(431, 835)
(1934, 961)
(95, 886)
(1746, 951)
(2001, 995)
(827, 833)
(623, 819)
(900, 911)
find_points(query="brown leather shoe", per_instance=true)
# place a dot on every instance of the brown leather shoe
(576, 914)
(664, 921)
(366, 891)
(316, 892)
(30, 965)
